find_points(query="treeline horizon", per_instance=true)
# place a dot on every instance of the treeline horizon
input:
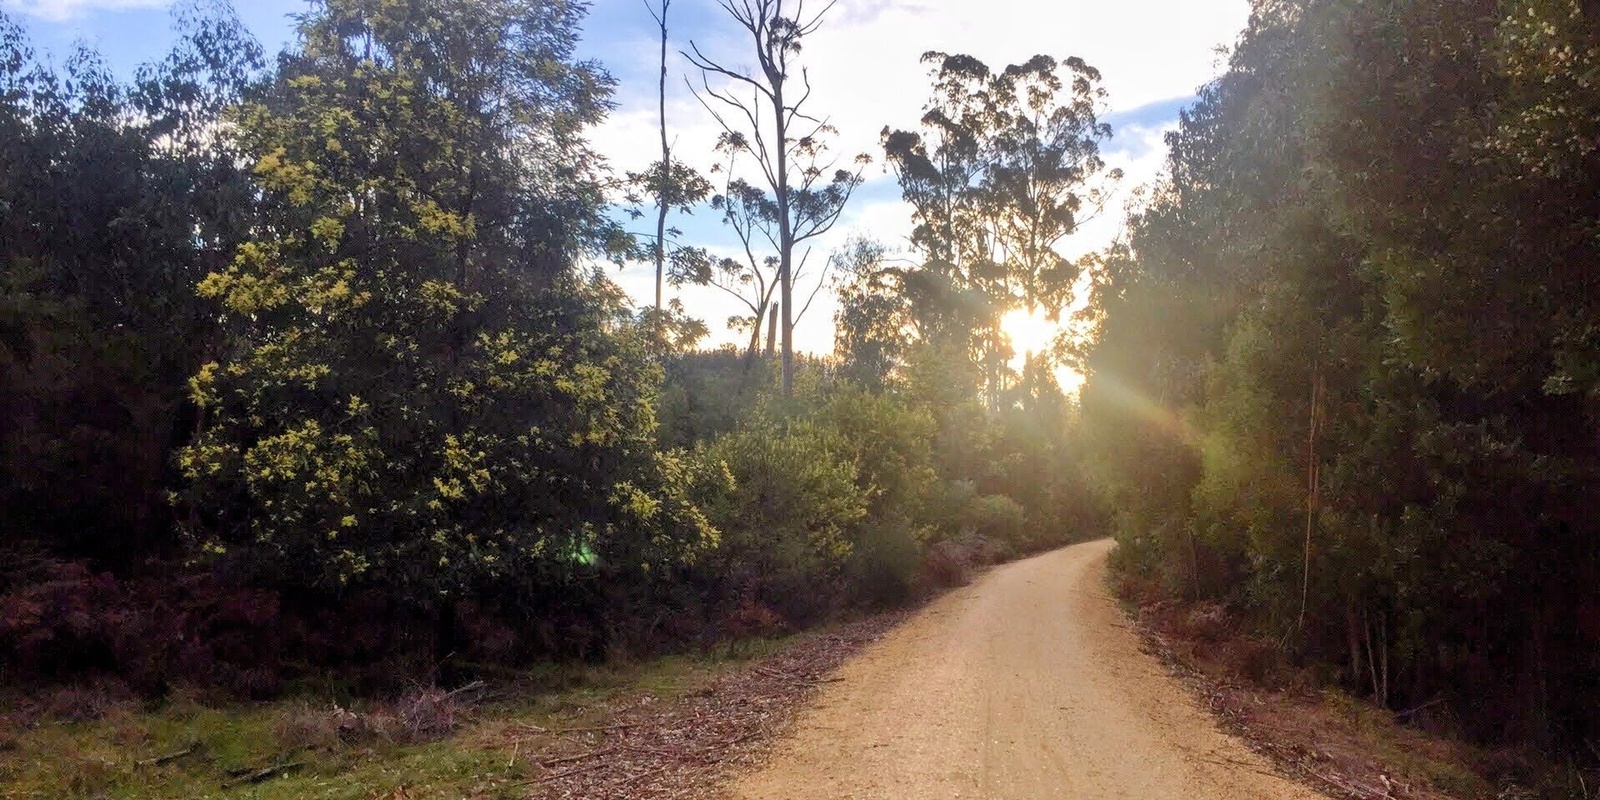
(311, 364)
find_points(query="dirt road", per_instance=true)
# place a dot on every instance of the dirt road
(1027, 684)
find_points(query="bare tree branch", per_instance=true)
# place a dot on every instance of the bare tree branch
(798, 202)
(821, 281)
(705, 64)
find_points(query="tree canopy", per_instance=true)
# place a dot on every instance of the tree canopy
(1343, 379)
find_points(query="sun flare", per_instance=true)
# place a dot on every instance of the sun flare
(1033, 332)
(1030, 332)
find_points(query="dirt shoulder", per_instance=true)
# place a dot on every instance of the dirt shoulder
(1345, 746)
(1027, 684)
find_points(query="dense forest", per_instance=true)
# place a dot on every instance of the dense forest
(314, 361)
(1348, 365)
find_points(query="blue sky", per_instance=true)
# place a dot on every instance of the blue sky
(864, 66)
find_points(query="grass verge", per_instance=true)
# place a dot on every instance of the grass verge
(519, 736)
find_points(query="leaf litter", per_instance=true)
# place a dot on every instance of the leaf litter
(653, 749)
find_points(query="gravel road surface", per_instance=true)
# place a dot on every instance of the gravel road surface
(1026, 684)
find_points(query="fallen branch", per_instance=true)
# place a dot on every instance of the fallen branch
(718, 750)
(262, 774)
(800, 679)
(1400, 715)
(1234, 763)
(621, 726)
(737, 739)
(1349, 786)
(169, 757)
(665, 753)
(471, 687)
(573, 771)
(568, 759)
(641, 776)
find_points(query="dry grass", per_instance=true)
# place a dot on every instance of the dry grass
(669, 728)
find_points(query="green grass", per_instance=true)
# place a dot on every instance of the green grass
(100, 758)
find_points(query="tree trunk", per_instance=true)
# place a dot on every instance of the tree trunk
(444, 641)
(785, 234)
(772, 331)
(754, 349)
(1352, 633)
(1312, 496)
(666, 164)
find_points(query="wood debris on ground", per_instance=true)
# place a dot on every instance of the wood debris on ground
(1290, 730)
(653, 749)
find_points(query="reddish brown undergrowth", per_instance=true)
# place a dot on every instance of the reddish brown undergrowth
(1345, 746)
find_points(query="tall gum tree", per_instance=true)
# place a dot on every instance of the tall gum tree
(1006, 166)
(786, 144)
(674, 186)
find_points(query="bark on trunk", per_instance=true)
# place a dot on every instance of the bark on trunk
(772, 331)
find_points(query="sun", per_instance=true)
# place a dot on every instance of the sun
(1032, 333)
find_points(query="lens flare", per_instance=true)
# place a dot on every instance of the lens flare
(1034, 333)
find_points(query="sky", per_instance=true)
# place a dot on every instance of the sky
(864, 65)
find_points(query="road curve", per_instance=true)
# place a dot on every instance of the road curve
(1027, 684)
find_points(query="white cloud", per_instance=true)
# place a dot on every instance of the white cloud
(865, 68)
(61, 10)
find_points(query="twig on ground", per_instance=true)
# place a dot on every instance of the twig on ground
(570, 772)
(169, 757)
(471, 687)
(641, 776)
(1348, 785)
(263, 774)
(1400, 715)
(621, 726)
(548, 763)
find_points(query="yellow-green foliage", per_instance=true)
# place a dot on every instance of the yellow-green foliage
(419, 388)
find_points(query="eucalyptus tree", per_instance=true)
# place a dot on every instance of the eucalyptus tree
(674, 186)
(751, 279)
(421, 391)
(1359, 401)
(1006, 166)
(764, 118)
(754, 276)
(871, 324)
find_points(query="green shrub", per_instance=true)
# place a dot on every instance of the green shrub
(996, 517)
(890, 446)
(885, 563)
(788, 517)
